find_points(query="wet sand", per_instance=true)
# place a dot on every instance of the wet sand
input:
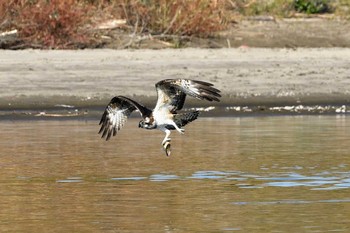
(36, 79)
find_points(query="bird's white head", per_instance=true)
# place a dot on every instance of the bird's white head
(147, 123)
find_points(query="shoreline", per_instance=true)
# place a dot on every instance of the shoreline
(37, 80)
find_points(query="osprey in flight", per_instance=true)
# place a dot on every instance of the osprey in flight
(165, 117)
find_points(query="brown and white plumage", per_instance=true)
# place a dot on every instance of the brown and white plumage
(171, 98)
(116, 114)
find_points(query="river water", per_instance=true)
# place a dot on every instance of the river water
(235, 174)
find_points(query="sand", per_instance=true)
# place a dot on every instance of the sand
(36, 79)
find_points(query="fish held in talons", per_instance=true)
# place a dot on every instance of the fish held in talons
(167, 148)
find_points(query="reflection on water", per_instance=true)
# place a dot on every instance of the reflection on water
(250, 174)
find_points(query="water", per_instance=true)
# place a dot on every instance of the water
(247, 174)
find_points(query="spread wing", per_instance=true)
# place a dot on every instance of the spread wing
(116, 114)
(172, 92)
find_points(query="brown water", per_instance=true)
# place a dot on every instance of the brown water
(249, 174)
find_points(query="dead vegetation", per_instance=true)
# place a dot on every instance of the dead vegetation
(71, 23)
(62, 24)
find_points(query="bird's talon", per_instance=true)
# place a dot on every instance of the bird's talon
(167, 140)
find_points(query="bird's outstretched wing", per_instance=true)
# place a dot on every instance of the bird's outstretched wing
(116, 114)
(172, 92)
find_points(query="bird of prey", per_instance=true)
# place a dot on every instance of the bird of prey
(165, 117)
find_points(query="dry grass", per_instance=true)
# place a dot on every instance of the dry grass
(65, 23)
(180, 17)
(68, 23)
(49, 24)
(280, 8)
(342, 8)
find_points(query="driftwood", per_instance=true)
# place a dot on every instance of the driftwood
(9, 39)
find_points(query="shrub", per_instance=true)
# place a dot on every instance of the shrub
(53, 23)
(312, 6)
(176, 17)
(47, 23)
(63, 23)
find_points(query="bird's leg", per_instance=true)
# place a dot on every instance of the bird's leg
(166, 142)
(181, 131)
(167, 134)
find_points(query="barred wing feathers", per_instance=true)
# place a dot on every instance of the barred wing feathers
(116, 114)
(172, 92)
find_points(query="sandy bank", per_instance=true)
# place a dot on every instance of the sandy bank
(35, 79)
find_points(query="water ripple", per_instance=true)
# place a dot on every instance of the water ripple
(214, 175)
(326, 180)
(130, 178)
(291, 202)
(71, 180)
(163, 177)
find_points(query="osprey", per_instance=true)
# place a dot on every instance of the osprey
(165, 117)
